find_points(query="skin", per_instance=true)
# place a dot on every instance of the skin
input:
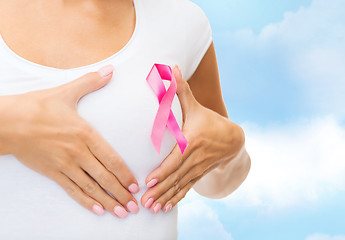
(110, 24)
(48, 123)
(88, 25)
(45, 131)
(209, 147)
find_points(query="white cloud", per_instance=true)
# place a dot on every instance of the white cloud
(301, 161)
(318, 236)
(197, 220)
(292, 164)
(309, 45)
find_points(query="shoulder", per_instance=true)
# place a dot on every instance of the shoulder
(180, 10)
(180, 26)
(189, 8)
(182, 19)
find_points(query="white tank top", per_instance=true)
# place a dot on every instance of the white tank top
(33, 206)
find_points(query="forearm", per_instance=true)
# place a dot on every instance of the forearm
(230, 174)
(223, 180)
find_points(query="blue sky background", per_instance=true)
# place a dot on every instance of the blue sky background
(282, 69)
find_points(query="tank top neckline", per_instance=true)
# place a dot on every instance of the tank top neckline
(116, 55)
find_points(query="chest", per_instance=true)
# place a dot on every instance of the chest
(63, 38)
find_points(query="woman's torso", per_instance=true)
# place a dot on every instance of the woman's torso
(35, 207)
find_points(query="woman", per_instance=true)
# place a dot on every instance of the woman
(76, 109)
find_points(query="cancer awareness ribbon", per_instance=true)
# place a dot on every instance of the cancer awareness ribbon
(164, 117)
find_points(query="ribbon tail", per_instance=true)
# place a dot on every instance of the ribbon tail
(158, 131)
(160, 123)
(176, 131)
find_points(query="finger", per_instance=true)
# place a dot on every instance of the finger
(183, 92)
(182, 193)
(89, 82)
(92, 189)
(165, 184)
(109, 182)
(197, 172)
(77, 194)
(172, 184)
(170, 164)
(179, 196)
(105, 154)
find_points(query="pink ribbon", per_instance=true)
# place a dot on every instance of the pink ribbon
(165, 116)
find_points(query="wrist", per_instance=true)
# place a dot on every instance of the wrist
(237, 137)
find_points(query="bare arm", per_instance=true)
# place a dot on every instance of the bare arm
(206, 88)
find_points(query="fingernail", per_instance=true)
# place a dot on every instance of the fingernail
(106, 70)
(168, 207)
(152, 183)
(97, 209)
(148, 203)
(157, 207)
(132, 206)
(133, 188)
(120, 211)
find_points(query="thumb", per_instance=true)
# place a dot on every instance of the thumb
(89, 82)
(183, 92)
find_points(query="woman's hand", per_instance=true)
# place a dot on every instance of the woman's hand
(44, 132)
(213, 141)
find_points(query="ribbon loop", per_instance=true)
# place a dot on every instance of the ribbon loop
(164, 117)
